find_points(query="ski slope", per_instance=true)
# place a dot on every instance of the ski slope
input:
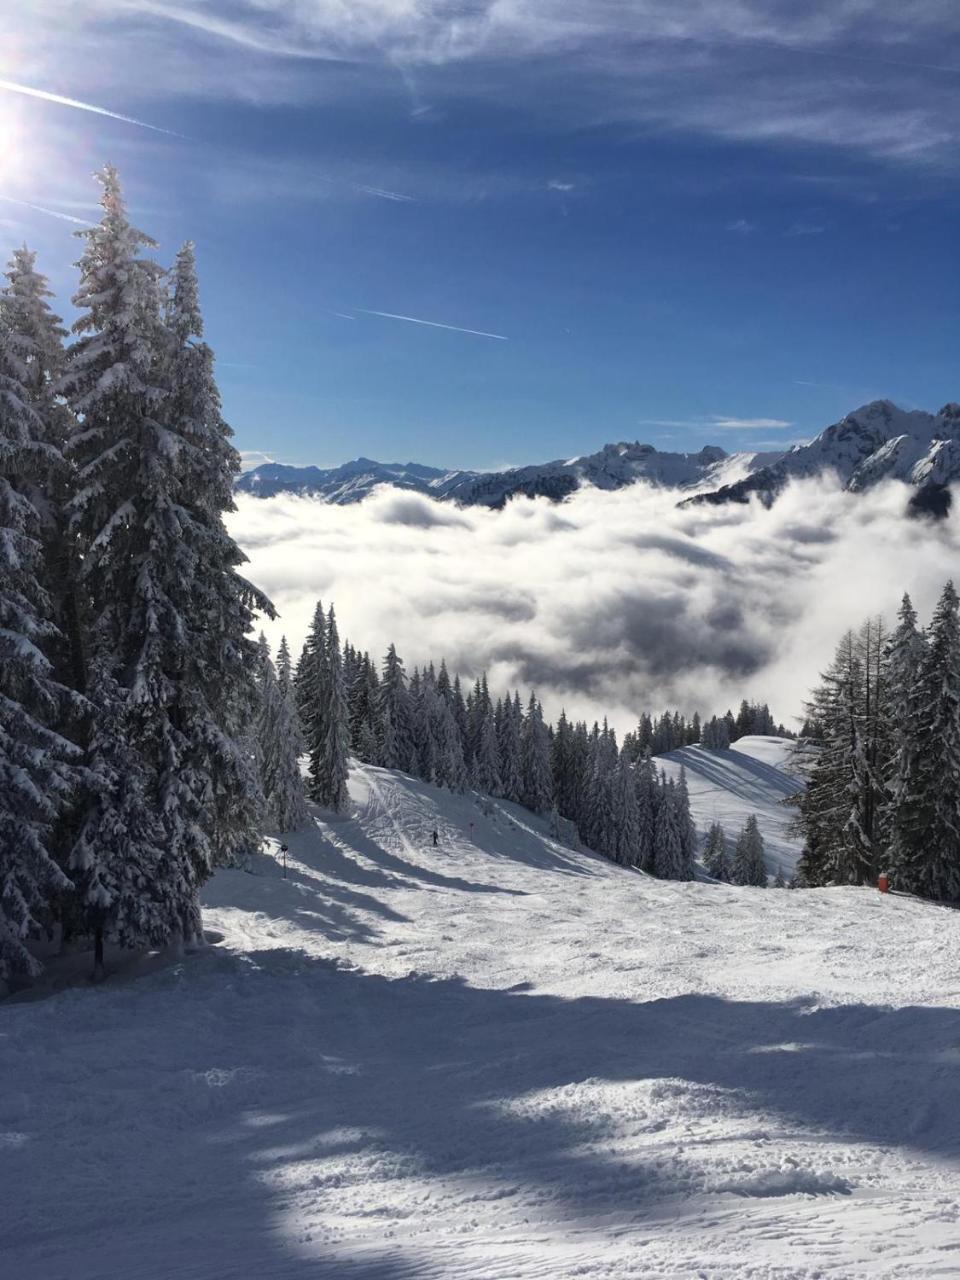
(755, 776)
(495, 1060)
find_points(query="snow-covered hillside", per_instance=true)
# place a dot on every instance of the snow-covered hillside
(755, 776)
(495, 1059)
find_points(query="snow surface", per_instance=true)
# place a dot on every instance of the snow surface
(499, 1059)
(754, 776)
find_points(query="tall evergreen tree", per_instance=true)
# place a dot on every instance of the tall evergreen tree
(716, 858)
(748, 866)
(535, 760)
(333, 782)
(646, 783)
(166, 614)
(398, 748)
(926, 825)
(38, 767)
(669, 862)
(280, 743)
(511, 764)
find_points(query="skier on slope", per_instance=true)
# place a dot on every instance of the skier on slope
(436, 838)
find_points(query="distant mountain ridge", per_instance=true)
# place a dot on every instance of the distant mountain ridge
(613, 467)
(876, 442)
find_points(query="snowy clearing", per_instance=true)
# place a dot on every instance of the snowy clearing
(495, 1059)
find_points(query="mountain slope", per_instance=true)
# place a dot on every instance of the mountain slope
(754, 777)
(877, 442)
(496, 1060)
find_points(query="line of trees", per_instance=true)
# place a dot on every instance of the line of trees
(883, 789)
(128, 682)
(425, 725)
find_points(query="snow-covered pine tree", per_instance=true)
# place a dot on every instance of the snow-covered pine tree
(535, 760)
(748, 866)
(715, 735)
(779, 882)
(926, 824)
(627, 810)
(903, 659)
(486, 765)
(165, 613)
(716, 859)
(837, 844)
(602, 813)
(511, 765)
(669, 862)
(38, 766)
(335, 771)
(685, 826)
(451, 770)
(280, 744)
(213, 696)
(398, 748)
(310, 684)
(646, 783)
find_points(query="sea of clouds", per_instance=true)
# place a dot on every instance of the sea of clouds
(609, 603)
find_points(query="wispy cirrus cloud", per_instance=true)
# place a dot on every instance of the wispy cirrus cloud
(864, 77)
(720, 422)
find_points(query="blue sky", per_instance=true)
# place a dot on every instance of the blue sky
(702, 221)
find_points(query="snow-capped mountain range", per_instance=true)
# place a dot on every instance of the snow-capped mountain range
(614, 467)
(876, 442)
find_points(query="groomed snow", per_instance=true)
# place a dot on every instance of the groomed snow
(498, 1059)
(756, 775)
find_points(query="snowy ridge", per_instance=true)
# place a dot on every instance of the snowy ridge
(614, 467)
(755, 775)
(878, 441)
(496, 1060)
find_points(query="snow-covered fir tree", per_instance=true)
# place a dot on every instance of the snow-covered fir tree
(280, 743)
(486, 764)
(926, 822)
(398, 749)
(747, 867)
(716, 857)
(38, 766)
(333, 782)
(669, 862)
(535, 760)
(511, 761)
(165, 615)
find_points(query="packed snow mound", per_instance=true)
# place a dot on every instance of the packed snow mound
(755, 776)
(613, 467)
(497, 1059)
(878, 441)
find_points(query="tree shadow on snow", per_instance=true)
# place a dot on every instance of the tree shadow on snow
(739, 774)
(301, 1062)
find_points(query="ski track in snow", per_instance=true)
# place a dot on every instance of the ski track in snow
(498, 1060)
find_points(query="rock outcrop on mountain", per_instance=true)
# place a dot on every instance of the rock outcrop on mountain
(876, 442)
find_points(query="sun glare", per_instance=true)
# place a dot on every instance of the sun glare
(11, 143)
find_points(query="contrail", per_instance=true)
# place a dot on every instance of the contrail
(11, 87)
(38, 208)
(434, 324)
